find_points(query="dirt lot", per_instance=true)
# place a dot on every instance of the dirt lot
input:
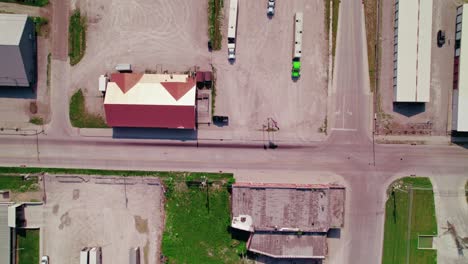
(172, 35)
(258, 85)
(435, 119)
(92, 211)
(157, 35)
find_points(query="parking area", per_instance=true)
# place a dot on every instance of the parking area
(154, 35)
(258, 85)
(435, 117)
(114, 213)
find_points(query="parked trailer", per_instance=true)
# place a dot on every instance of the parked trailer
(134, 256)
(95, 256)
(102, 83)
(232, 30)
(84, 256)
(123, 67)
(297, 52)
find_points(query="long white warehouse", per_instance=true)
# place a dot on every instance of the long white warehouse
(460, 80)
(412, 51)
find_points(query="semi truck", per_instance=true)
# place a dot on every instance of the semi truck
(232, 30)
(95, 256)
(297, 49)
(84, 256)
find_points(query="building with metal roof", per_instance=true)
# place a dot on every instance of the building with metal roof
(5, 235)
(412, 50)
(17, 51)
(287, 220)
(460, 85)
(151, 100)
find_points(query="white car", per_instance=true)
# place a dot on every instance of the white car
(271, 8)
(45, 260)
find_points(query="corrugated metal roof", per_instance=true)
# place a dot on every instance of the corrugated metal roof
(413, 46)
(461, 111)
(5, 238)
(11, 28)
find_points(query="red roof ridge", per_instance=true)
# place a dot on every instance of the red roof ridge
(126, 81)
(178, 89)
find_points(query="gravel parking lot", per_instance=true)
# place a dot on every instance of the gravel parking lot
(259, 85)
(435, 119)
(87, 211)
(150, 34)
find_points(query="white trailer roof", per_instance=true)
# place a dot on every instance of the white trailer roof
(232, 18)
(461, 114)
(413, 47)
(298, 23)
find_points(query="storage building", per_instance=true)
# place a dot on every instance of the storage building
(412, 51)
(460, 85)
(151, 100)
(17, 51)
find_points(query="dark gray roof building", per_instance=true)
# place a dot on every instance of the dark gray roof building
(17, 50)
(288, 221)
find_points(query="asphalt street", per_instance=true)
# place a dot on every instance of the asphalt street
(348, 152)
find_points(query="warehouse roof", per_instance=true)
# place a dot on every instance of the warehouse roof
(5, 238)
(413, 51)
(150, 89)
(289, 207)
(291, 245)
(11, 28)
(150, 100)
(461, 112)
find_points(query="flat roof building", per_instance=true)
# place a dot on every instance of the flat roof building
(287, 220)
(460, 80)
(150, 100)
(5, 235)
(17, 51)
(412, 50)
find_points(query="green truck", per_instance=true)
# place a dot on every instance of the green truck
(297, 52)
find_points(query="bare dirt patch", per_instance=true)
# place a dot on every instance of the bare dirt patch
(106, 213)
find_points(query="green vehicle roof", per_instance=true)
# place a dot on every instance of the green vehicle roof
(296, 64)
(295, 73)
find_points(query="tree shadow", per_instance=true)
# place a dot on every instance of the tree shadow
(409, 109)
(155, 133)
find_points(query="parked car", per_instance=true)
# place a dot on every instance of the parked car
(271, 8)
(208, 79)
(221, 120)
(440, 38)
(45, 260)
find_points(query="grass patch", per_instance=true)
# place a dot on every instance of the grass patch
(336, 9)
(425, 242)
(80, 117)
(213, 91)
(197, 224)
(27, 245)
(36, 120)
(173, 176)
(214, 22)
(40, 24)
(48, 71)
(76, 37)
(39, 3)
(371, 16)
(423, 222)
(17, 184)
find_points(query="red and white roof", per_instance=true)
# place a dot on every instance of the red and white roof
(150, 100)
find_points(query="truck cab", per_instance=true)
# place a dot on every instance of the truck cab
(271, 8)
(296, 68)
